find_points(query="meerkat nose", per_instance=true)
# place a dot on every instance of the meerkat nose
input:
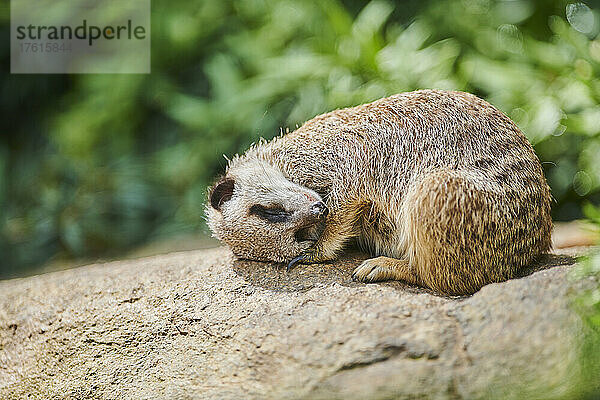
(320, 209)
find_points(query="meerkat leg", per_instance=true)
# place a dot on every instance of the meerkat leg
(461, 235)
(341, 226)
(444, 221)
(383, 269)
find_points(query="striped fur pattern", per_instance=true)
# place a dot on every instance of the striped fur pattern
(440, 187)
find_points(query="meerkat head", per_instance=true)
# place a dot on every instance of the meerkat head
(262, 215)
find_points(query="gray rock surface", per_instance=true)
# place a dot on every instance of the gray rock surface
(200, 325)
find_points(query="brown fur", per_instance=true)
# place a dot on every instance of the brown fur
(441, 187)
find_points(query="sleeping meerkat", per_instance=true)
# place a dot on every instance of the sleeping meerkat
(441, 188)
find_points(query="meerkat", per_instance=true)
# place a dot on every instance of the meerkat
(440, 187)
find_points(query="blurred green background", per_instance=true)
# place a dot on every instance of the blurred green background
(92, 166)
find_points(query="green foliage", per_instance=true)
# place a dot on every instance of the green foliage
(587, 305)
(93, 164)
(589, 302)
(592, 213)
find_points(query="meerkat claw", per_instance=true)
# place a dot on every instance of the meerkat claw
(295, 261)
(309, 257)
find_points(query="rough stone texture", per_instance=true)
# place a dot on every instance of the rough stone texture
(200, 325)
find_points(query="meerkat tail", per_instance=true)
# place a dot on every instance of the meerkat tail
(458, 252)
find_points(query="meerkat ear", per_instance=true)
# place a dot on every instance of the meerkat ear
(221, 193)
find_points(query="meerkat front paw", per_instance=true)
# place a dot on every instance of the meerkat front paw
(383, 269)
(311, 256)
(308, 257)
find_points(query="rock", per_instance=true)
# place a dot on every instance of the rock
(574, 234)
(200, 325)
